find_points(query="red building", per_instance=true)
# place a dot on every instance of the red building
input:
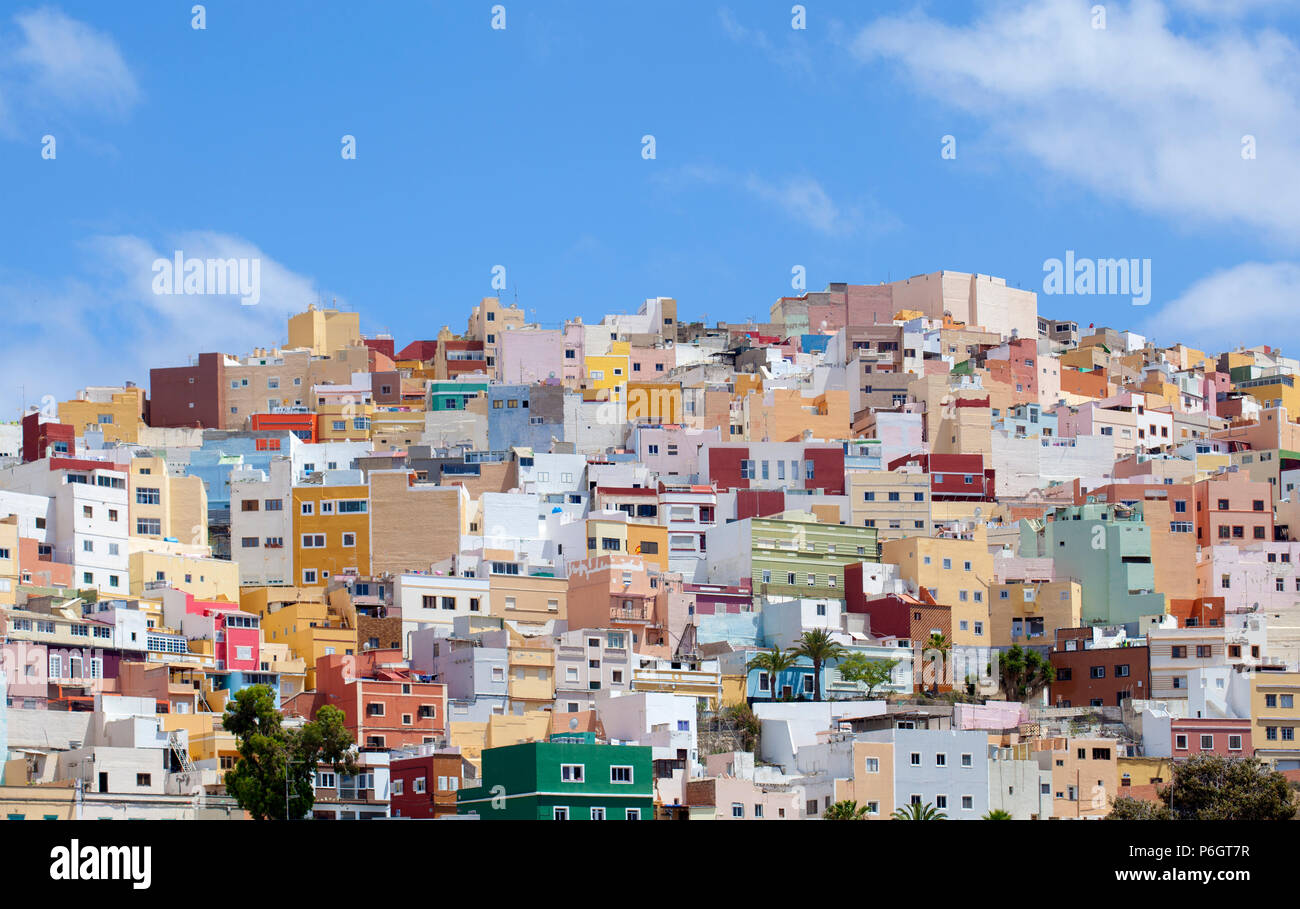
(425, 785)
(189, 395)
(42, 437)
(384, 706)
(302, 425)
(767, 466)
(953, 477)
(896, 615)
(1096, 677)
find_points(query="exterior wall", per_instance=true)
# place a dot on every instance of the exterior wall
(413, 525)
(1104, 674)
(531, 777)
(336, 556)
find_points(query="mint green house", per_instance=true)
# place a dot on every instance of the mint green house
(1107, 549)
(448, 395)
(563, 781)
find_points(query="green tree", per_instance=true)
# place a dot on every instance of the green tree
(915, 811)
(997, 814)
(846, 811)
(742, 716)
(1024, 673)
(1127, 808)
(819, 647)
(276, 765)
(873, 673)
(773, 662)
(1210, 787)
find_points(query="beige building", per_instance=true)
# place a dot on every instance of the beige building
(528, 598)
(164, 506)
(205, 578)
(896, 503)
(486, 323)
(323, 331)
(413, 524)
(265, 380)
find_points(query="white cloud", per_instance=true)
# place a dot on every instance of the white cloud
(801, 198)
(791, 54)
(1134, 111)
(107, 326)
(1248, 304)
(56, 63)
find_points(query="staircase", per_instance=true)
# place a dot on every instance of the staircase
(180, 752)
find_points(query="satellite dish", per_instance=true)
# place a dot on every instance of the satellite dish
(573, 723)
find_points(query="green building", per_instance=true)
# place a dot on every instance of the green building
(454, 395)
(563, 781)
(789, 556)
(1107, 549)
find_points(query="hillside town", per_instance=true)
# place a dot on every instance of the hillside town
(906, 550)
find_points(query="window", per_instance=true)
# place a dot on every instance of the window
(1180, 742)
(143, 779)
(967, 802)
(1207, 743)
(147, 527)
(916, 759)
(145, 495)
(572, 773)
(737, 810)
(1234, 743)
(620, 774)
(966, 760)
(941, 760)
(632, 814)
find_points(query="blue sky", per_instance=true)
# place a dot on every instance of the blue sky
(521, 147)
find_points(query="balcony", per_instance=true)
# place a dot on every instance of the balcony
(629, 613)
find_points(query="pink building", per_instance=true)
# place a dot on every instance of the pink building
(236, 635)
(651, 364)
(672, 450)
(575, 352)
(1227, 737)
(531, 355)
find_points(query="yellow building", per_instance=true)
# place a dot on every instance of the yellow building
(616, 534)
(531, 673)
(500, 730)
(117, 412)
(1143, 771)
(610, 371)
(1275, 716)
(338, 421)
(957, 569)
(310, 628)
(324, 331)
(1028, 611)
(1272, 391)
(206, 578)
(331, 531)
(654, 402)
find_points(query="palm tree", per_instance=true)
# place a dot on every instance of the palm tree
(940, 644)
(915, 811)
(1024, 673)
(846, 811)
(997, 814)
(820, 647)
(773, 662)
